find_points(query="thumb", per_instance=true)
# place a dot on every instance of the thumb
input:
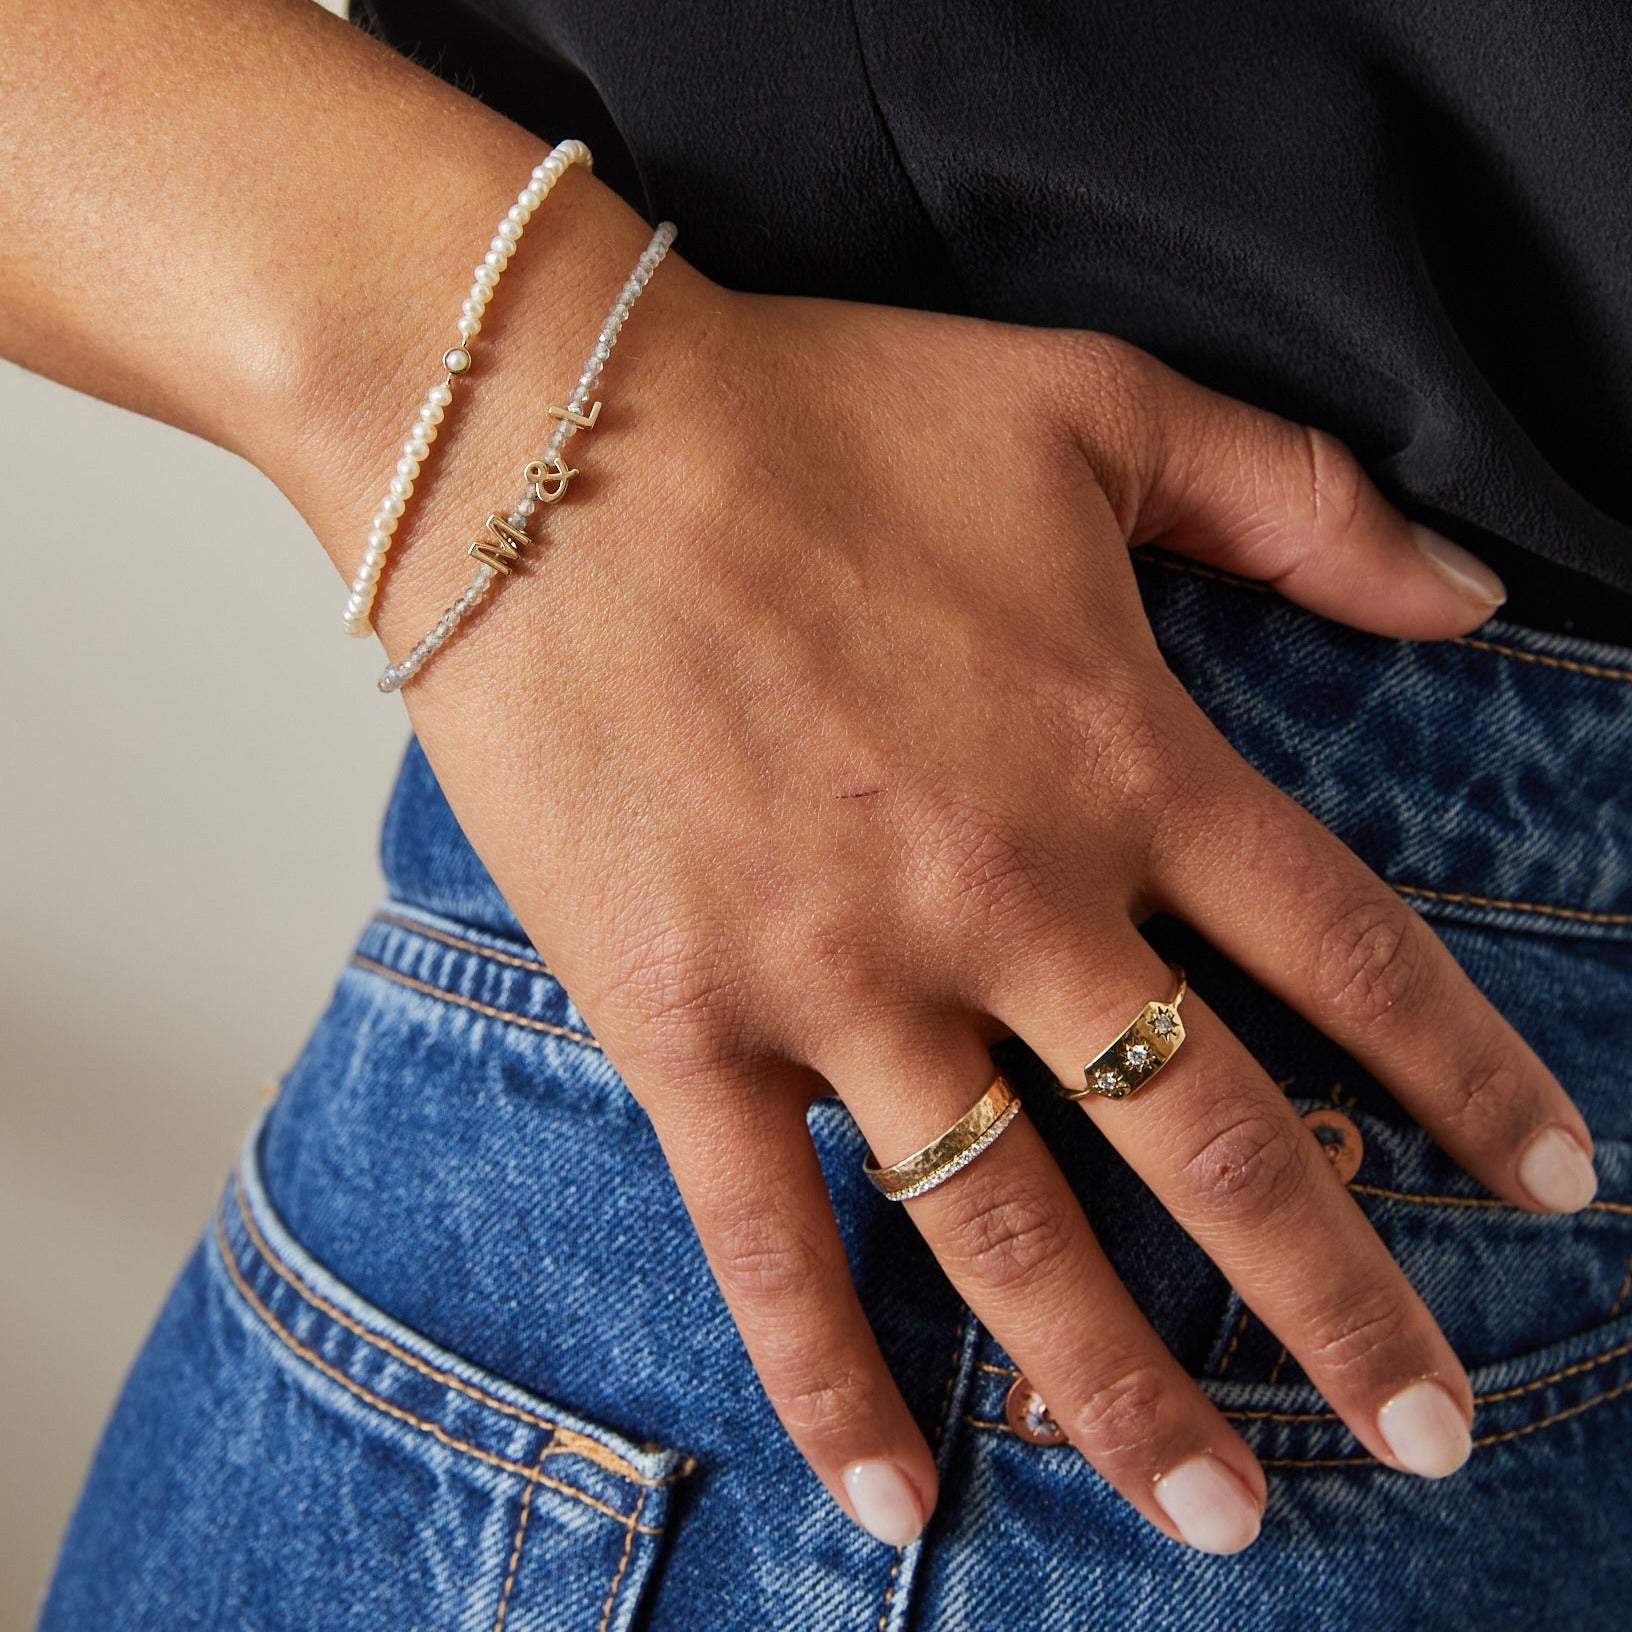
(1286, 504)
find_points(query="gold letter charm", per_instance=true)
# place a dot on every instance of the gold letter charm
(541, 475)
(584, 422)
(500, 550)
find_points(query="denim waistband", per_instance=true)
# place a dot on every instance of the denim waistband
(1488, 778)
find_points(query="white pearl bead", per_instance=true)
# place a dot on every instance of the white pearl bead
(472, 308)
(520, 214)
(379, 540)
(470, 327)
(369, 572)
(417, 447)
(495, 263)
(509, 230)
(393, 506)
(531, 197)
(481, 292)
(408, 466)
(430, 416)
(487, 275)
(441, 394)
(401, 487)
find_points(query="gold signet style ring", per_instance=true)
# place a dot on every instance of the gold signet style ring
(953, 1151)
(1139, 1053)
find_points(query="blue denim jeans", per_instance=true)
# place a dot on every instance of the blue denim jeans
(448, 1355)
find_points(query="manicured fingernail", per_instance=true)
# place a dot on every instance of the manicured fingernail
(1214, 1511)
(1557, 1172)
(884, 1501)
(1426, 1430)
(1465, 573)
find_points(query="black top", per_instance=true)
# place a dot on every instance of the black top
(1406, 221)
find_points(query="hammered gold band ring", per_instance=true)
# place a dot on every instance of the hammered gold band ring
(954, 1150)
(1139, 1053)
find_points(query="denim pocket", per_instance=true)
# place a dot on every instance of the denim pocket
(290, 1456)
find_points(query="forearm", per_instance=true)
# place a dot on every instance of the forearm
(255, 222)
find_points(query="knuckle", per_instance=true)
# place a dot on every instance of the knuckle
(763, 1258)
(1372, 962)
(1119, 1415)
(1000, 1236)
(1488, 1094)
(1252, 1162)
(978, 865)
(1125, 741)
(1350, 1337)
(812, 1404)
(1334, 485)
(674, 991)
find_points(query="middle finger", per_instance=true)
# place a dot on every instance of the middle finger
(1235, 1165)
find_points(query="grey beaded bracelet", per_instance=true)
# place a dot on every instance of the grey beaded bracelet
(545, 478)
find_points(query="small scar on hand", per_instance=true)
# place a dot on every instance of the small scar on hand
(859, 793)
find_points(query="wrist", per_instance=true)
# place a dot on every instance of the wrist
(361, 375)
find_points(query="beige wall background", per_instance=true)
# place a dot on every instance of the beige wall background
(193, 764)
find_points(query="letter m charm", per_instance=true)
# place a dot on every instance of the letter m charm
(502, 548)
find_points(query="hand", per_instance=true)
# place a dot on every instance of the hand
(826, 742)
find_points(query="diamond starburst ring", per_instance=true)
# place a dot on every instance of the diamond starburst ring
(1139, 1053)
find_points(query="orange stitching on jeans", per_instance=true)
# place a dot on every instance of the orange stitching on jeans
(1596, 670)
(1481, 1201)
(1572, 1370)
(1275, 1370)
(1559, 1375)
(535, 965)
(567, 1441)
(940, 1434)
(623, 1563)
(1000, 1371)
(1372, 1461)
(1575, 913)
(464, 1002)
(515, 1547)
(1240, 1327)
(1620, 1297)
(1247, 1414)
(435, 1430)
(1484, 1439)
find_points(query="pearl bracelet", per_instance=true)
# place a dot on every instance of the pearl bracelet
(544, 479)
(455, 361)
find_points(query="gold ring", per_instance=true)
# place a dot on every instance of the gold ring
(1139, 1053)
(977, 1128)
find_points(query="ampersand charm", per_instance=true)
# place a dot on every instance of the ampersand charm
(542, 476)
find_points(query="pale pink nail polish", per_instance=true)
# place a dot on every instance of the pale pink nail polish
(884, 1501)
(1557, 1172)
(1425, 1429)
(1214, 1511)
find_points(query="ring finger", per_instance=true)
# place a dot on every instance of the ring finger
(1013, 1240)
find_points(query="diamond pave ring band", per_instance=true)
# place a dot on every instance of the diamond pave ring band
(1139, 1053)
(954, 1150)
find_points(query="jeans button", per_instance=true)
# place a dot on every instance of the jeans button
(1339, 1138)
(1025, 1413)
